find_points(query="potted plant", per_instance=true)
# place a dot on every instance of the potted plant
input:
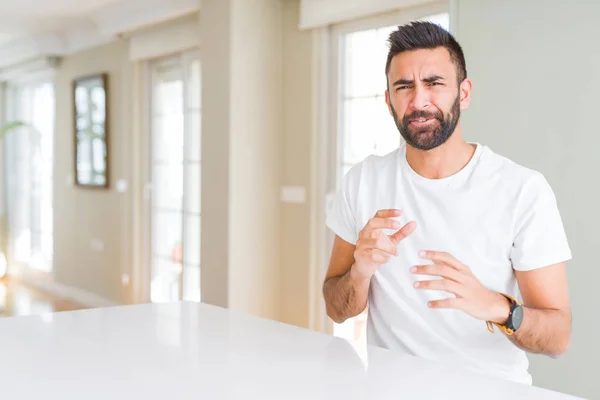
(5, 130)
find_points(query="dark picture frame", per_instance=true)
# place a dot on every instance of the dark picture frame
(91, 131)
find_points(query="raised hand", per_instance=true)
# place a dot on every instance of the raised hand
(374, 247)
(471, 296)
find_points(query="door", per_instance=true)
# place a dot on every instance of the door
(173, 186)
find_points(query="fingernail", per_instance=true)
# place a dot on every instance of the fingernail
(422, 253)
(413, 269)
(416, 284)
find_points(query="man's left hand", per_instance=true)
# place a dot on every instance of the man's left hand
(471, 296)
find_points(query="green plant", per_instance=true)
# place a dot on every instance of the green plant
(5, 130)
(9, 127)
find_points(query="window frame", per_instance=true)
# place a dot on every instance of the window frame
(10, 88)
(183, 60)
(330, 118)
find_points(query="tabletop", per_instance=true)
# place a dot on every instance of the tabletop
(198, 351)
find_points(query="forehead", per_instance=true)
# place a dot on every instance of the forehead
(422, 62)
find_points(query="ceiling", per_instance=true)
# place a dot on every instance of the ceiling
(23, 18)
(38, 28)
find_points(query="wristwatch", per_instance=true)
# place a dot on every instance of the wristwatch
(515, 318)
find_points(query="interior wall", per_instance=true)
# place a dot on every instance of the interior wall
(93, 228)
(216, 94)
(297, 148)
(256, 160)
(534, 99)
(242, 162)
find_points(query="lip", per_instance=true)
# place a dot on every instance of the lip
(416, 121)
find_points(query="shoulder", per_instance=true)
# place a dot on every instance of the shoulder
(524, 183)
(371, 171)
(518, 175)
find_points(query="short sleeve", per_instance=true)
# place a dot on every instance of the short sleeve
(540, 239)
(341, 215)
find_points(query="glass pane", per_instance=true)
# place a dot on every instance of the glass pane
(29, 165)
(193, 187)
(38, 260)
(191, 246)
(46, 217)
(368, 129)
(99, 155)
(191, 283)
(167, 235)
(169, 93)
(194, 142)
(381, 49)
(165, 281)
(21, 237)
(167, 143)
(363, 71)
(167, 187)
(47, 248)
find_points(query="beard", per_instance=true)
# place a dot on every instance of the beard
(431, 136)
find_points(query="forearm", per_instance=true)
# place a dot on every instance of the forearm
(544, 331)
(345, 296)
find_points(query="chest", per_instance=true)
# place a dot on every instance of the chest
(475, 225)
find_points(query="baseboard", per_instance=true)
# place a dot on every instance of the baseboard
(79, 296)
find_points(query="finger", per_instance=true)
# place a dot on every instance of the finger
(404, 232)
(377, 256)
(379, 223)
(441, 270)
(384, 243)
(454, 303)
(378, 243)
(388, 213)
(446, 285)
(439, 257)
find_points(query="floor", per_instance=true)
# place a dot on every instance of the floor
(19, 299)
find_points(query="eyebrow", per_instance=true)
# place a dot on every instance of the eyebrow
(429, 79)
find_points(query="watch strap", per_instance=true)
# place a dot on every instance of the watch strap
(508, 331)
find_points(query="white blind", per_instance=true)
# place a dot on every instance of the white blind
(165, 40)
(316, 13)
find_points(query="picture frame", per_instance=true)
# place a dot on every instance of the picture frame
(91, 131)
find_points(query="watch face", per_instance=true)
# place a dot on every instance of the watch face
(517, 317)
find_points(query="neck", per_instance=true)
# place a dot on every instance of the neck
(444, 160)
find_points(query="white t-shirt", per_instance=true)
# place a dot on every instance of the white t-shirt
(493, 215)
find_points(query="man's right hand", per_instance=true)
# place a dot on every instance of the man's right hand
(374, 247)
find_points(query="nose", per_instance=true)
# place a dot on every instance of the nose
(420, 100)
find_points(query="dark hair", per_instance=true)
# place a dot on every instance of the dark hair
(426, 35)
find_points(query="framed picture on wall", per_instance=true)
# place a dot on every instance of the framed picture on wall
(90, 104)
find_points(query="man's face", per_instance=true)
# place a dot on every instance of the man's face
(424, 96)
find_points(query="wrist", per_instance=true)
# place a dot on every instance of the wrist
(500, 309)
(356, 276)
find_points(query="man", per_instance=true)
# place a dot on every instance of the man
(440, 236)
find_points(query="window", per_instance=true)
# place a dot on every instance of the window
(175, 179)
(363, 125)
(29, 166)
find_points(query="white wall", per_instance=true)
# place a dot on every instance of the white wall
(242, 162)
(255, 151)
(535, 67)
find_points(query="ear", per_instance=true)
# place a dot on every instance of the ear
(465, 93)
(387, 101)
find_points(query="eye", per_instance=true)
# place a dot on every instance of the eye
(435, 84)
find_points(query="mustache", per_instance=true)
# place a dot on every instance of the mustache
(423, 114)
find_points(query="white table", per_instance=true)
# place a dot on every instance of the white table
(196, 351)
